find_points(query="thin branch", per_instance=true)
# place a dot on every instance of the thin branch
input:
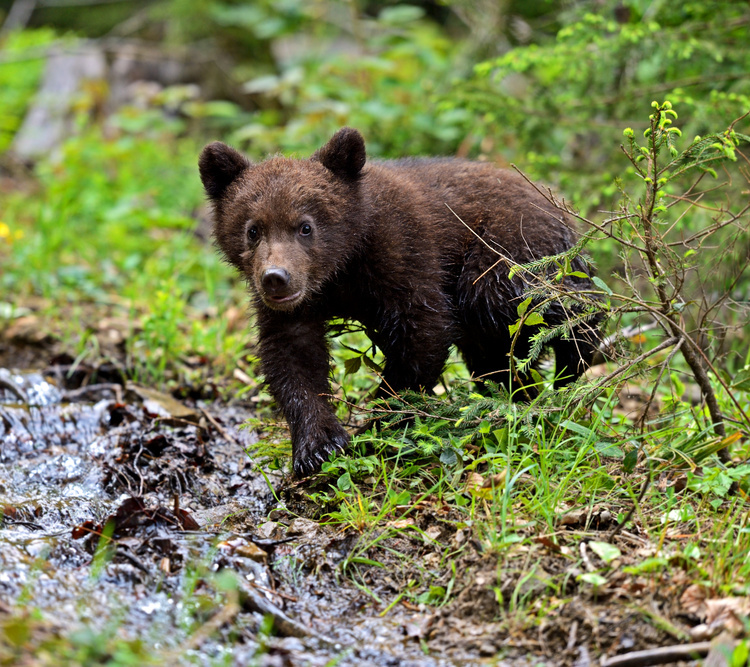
(642, 420)
(639, 359)
(712, 229)
(562, 206)
(658, 656)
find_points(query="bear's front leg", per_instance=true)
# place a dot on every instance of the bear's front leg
(295, 360)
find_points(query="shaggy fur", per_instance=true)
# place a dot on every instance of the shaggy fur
(334, 236)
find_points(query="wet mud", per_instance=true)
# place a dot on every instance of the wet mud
(121, 505)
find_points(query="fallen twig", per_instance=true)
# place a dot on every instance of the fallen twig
(658, 656)
(251, 599)
(14, 389)
(75, 394)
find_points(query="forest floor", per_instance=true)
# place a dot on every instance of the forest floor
(138, 528)
(142, 524)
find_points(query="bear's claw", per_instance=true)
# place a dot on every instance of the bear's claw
(310, 455)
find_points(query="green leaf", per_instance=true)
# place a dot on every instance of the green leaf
(523, 307)
(601, 284)
(344, 483)
(402, 498)
(648, 565)
(352, 365)
(596, 580)
(742, 380)
(577, 428)
(740, 654)
(449, 457)
(606, 551)
(533, 319)
(606, 448)
(631, 458)
(433, 596)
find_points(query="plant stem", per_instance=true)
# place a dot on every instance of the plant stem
(651, 246)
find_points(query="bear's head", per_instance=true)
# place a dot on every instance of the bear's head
(288, 225)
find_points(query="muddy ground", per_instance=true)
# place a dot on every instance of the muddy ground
(169, 482)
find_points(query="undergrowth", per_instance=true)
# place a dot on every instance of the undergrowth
(112, 230)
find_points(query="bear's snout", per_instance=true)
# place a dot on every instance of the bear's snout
(277, 289)
(275, 281)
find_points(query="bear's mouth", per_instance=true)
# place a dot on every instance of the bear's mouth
(281, 299)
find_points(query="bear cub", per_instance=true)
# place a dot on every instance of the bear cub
(417, 250)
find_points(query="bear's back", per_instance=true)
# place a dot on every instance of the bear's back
(465, 200)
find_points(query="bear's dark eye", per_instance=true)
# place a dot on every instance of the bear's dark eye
(252, 233)
(305, 229)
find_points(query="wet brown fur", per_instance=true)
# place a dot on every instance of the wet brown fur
(383, 249)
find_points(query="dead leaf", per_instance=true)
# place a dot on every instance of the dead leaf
(693, 600)
(162, 404)
(252, 552)
(728, 614)
(28, 329)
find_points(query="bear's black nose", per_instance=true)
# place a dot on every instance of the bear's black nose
(275, 280)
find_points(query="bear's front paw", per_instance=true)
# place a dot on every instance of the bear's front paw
(312, 450)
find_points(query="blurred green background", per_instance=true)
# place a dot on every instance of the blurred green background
(105, 106)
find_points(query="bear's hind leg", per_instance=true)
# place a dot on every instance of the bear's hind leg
(575, 354)
(416, 342)
(489, 359)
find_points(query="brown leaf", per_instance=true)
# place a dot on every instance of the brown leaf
(163, 404)
(693, 600)
(547, 542)
(86, 528)
(186, 520)
(727, 613)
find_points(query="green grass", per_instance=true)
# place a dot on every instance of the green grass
(21, 71)
(112, 230)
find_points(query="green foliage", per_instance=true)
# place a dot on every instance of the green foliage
(716, 482)
(114, 217)
(21, 67)
(107, 205)
(24, 634)
(553, 106)
(386, 91)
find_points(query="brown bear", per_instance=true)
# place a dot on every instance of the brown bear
(417, 250)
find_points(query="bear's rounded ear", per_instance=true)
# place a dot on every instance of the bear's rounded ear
(344, 154)
(220, 166)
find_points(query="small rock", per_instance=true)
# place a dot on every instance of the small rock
(434, 533)
(252, 551)
(268, 530)
(278, 514)
(460, 537)
(216, 516)
(302, 526)
(487, 649)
